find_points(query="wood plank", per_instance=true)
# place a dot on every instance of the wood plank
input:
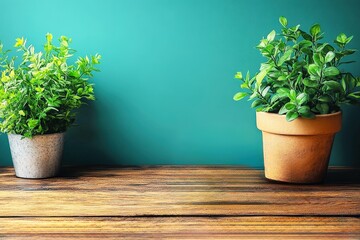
(174, 191)
(181, 228)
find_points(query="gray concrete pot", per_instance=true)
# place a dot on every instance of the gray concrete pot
(38, 157)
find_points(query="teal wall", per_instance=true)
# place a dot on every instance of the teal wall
(164, 95)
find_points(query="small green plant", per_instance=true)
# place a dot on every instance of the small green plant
(39, 91)
(302, 76)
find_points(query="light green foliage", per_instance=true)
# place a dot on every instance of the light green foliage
(302, 76)
(39, 91)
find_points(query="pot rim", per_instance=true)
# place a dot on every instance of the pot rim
(38, 135)
(316, 115)
(277, 124)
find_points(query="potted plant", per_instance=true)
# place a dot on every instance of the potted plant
(297, 94)
(39, 92)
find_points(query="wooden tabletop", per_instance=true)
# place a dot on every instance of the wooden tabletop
(177, 202)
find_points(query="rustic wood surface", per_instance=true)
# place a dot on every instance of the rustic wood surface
(182, 227)
(178, 202)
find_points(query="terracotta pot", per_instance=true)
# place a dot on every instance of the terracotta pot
(297, 151)
(38, 157)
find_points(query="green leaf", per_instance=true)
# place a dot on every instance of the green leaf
(290, 106)
(256, 103)
(271, 36)
(32, 123)
(291, 116)
(295, 29)
(333, 85)
(343, 84)
(283, 91)
(331, 71)
(355, 95)
(260, 76)
(305, 43)
(308, 51)
(240, 95)
(253, 95)
(260, 109)
(275, 98)
(285, 57)
(282, 78)
(349, 81)
(39, 89)
(22, 113)
(310, 83)
(318, 59)
(349, 39)
(283, 110)
(244, 85)
(305, 112)
(314, 70)
(323, 108)
(267, 51)
(321, 47)
(315, 30)
(49, 109)
(292, 95)
(341, 38)
(287, 107)
(347, 52)
(265, 91)
(80, 91)
(247, 78)
(283, 21)
(299, 79)
(238, 75)
(306, 36)
(329, 56)
(302, 98)
(265, 66)
(325, 99)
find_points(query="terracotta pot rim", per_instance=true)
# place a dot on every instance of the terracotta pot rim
(320, 125)
(316, 116)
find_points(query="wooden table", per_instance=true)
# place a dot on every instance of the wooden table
(177, 202)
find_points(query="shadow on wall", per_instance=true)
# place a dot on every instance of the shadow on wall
(349, 140)
(85, 143)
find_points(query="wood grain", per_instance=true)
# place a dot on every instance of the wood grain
(177, 203)
(172, 191)
(181, 228)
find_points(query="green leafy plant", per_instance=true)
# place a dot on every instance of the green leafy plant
(302, 76)
(39, 91)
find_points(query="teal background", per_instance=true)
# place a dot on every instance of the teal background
(164, 94)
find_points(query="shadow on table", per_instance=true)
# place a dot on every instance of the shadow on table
(343, 176)
(94, 171)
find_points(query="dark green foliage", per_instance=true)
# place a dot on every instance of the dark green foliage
(40, 91)
(302, 76)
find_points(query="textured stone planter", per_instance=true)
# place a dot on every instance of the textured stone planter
(297, 151)
(38, 157)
